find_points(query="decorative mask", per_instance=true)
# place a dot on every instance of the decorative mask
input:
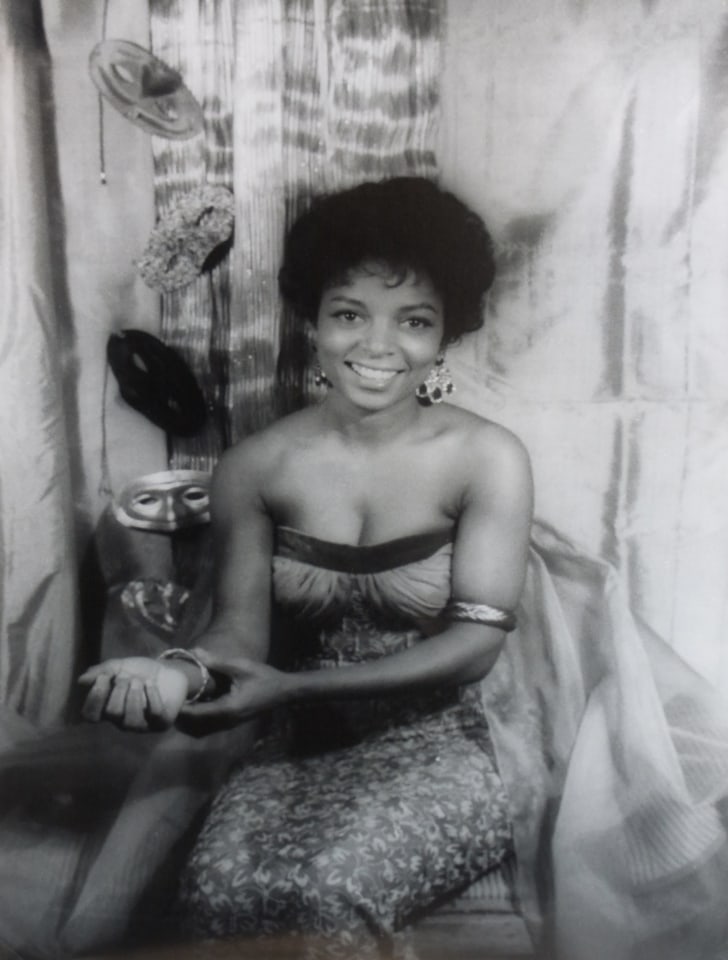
(155, 604)
(193, 235)
(165, 501)
(144, 89)
(155, 380)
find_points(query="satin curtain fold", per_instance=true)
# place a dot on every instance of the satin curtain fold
(592, 138)
(38, 622)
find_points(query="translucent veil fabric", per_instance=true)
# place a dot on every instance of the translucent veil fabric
(616, 757)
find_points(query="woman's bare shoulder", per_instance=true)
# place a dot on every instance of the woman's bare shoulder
(482, 439)
(258, 455)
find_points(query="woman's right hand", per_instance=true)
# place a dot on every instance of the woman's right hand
(135, 693)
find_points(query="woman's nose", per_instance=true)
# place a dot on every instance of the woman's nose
(380, 336)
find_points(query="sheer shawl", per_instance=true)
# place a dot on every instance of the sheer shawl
(615, 754)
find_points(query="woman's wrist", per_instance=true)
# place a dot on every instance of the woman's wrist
(292, 689)
(196, 674)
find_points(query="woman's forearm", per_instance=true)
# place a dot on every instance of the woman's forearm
(461, 654)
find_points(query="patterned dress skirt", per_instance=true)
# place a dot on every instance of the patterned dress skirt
(348, 843)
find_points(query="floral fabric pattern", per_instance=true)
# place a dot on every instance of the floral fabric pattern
(352, 817)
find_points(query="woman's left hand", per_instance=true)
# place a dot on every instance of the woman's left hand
(254, 688)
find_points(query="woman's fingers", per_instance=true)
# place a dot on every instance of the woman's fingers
(157, 714)
(116, 704)
(135, 708)
(98, 695)
(108, 668)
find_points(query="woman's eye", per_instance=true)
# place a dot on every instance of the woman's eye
(348, 316)
(418, 323)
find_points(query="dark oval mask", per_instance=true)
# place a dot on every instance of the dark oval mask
(156, 381)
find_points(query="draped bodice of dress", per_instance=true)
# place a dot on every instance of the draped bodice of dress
(351, 604)
(362, 601)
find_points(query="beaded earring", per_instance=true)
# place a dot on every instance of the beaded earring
(319, 377)
(437, 385)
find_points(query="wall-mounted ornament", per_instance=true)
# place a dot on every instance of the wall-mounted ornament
(188, 238)
(165, 501)
(147, 91)
(155, 380)
(155, 604)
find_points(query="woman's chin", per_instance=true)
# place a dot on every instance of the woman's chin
(374, 399)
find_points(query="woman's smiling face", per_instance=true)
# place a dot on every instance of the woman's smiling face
(378, 333)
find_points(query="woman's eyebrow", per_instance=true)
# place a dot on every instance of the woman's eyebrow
(340, 298)
(425, 305)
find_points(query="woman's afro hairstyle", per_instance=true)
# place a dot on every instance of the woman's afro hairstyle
(406, 223)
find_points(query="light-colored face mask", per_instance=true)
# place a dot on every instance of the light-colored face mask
(143, 88)
(165, 501)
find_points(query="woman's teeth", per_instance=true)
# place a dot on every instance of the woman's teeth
(370, 373)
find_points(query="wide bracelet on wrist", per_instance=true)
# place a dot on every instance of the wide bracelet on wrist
(179, 653)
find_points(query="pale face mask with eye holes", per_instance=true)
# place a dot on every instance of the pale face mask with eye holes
(165, 501)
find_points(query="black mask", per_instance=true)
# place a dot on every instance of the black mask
(155, 380)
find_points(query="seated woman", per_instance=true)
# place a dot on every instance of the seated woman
(391, 533)
(371, 551)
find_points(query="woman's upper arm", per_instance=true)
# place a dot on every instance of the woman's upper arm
(491, 547)
(242, 537)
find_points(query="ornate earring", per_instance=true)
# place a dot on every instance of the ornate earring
(438, 383)
(319, 377)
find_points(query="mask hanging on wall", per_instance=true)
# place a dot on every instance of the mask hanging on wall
(155, 380)
(165, 501)
(155, 604)
(193, 236)
(144, 89)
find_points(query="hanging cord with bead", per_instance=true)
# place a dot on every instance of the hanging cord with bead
(102, 147)
(105, 489)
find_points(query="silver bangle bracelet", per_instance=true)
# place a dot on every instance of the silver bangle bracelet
(179, 653)
(483, 613)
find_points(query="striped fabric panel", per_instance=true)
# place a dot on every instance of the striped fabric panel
(198, 40)
(259, 212)
(324, 93)
(382, 98)
(495, 891)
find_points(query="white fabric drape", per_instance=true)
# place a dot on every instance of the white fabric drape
(38, 632)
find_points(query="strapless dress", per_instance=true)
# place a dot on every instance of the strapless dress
(353, 816)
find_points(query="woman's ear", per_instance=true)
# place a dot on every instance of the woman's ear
(312, 333)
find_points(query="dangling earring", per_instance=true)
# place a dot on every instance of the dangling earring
(319, 377)
(438, 383)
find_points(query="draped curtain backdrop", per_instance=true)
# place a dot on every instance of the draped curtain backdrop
(38, 623)
(593, 137)
(589, 133)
